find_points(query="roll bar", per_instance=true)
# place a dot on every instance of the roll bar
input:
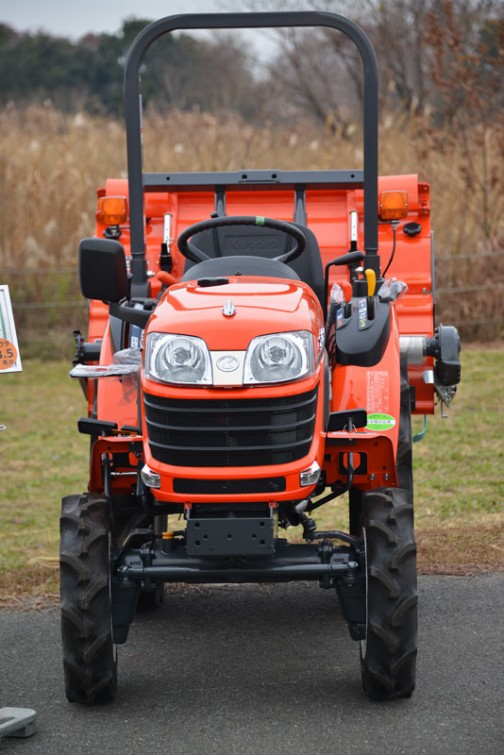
(247, 21)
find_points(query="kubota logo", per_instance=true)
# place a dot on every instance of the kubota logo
(227, 364)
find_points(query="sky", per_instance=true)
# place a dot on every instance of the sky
(74, 18)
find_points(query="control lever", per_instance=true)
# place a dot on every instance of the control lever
(371, 288)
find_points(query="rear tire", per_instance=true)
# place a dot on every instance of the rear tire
(388, 654)
(89, 663)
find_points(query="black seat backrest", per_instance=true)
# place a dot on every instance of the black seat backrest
(221, 267)
(257, 241)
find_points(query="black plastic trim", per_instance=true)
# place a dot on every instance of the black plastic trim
(210, 486)
(138, 317)
(340, 420)
(90, 426)
(364, 348)
(230, 432)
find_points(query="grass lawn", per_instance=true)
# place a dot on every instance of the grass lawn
(459, 492)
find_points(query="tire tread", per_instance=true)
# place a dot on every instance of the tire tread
(388, 662)
(88, 653)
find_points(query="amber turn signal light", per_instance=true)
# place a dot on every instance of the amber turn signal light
(393, 205)
(112, 210)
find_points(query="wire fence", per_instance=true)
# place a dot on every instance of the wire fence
(48, 305)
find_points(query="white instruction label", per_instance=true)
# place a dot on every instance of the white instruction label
(377, 391)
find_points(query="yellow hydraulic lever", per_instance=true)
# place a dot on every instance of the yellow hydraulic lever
(371, 281)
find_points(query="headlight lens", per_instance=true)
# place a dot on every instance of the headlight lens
(177, 359)
(279, 358)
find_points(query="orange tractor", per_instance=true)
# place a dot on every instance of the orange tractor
(258, 341)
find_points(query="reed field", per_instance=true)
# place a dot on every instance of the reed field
(51, 164)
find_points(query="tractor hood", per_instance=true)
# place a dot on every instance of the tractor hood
(229, 315)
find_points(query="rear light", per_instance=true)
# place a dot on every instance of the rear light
(393, 205)
(112, 210)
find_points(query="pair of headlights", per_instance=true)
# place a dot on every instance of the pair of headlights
(275, 358)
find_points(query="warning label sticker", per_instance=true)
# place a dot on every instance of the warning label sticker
(377, 391)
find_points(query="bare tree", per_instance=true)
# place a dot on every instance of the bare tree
(318, 69)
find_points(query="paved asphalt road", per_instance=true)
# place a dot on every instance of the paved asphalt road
(250, 669)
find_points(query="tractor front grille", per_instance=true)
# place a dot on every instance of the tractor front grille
(230, 432)
(229, 487)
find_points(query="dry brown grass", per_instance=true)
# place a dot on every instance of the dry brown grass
(461, 550)
(51, 164)
(30, 589)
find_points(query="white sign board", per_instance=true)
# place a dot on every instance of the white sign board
(10, 359)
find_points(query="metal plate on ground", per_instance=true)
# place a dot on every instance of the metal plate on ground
(17, 722)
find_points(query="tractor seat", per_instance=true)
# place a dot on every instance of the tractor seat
(237, 265)
(249, 249)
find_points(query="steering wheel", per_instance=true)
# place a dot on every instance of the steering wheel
(195, 254)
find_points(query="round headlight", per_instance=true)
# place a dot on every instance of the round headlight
(177, 359)
(279, 357)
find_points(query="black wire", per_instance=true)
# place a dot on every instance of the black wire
(331, 334)
(394, 230)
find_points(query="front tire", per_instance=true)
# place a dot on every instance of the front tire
(86, 616)
(388, 654)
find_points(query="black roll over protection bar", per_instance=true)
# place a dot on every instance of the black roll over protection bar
(132, 104)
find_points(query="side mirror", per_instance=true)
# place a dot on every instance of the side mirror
(102, 270)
